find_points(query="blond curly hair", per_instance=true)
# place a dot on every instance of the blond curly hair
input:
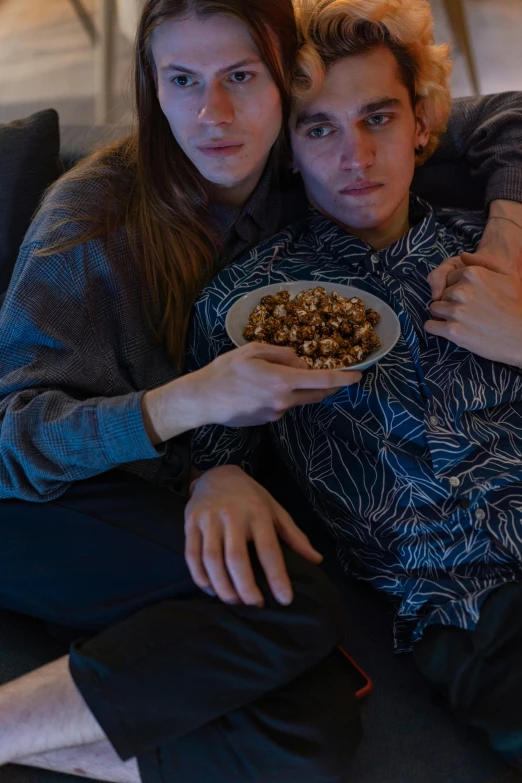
(333, 29)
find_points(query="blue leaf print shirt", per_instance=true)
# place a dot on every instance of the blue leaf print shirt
(416, 470)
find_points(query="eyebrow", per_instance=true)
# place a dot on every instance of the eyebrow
(378, 105)
(368, 108)
(221, 72)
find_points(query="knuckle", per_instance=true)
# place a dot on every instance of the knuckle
(271, 550)
(236, 557)
(454, 331)
(279, 386)
(212, 555)
(227, 512)
(191, 553)
(459, 311)
(281, 404)
(461, 293)
(257, 505)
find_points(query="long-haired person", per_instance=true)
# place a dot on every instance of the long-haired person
(94, 463)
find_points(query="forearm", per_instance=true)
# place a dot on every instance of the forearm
(48, 440)
(502, 237)
(486, 134)
(173, 409)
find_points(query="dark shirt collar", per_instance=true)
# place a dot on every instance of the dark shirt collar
(242, 228)
(400, 258)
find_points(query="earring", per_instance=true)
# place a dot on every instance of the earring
(419, 150)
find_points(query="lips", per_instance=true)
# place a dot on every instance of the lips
(220, 149)
(361, 188)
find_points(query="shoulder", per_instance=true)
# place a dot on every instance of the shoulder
(91, 195)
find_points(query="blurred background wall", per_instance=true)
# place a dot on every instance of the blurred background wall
(48, 57)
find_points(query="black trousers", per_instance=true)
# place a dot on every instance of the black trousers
(478, 674)
(193, 688)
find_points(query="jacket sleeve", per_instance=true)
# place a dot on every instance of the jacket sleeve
(486, 133)
(61, 416)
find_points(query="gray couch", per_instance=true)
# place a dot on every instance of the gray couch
(408, 739)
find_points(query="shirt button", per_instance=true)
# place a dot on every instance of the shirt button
(480, 514)
(375, 258)
(454, 481)
(434, 421)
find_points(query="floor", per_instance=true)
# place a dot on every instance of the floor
(46, 57)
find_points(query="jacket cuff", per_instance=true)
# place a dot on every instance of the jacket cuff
(506, 183)
(121, 424)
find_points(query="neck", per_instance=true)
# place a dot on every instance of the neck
(238, 195)
(379, 237)
(384, 236)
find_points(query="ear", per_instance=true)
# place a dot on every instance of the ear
(294, 168)
(422, 126)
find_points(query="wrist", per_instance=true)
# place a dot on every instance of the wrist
(502, 238)
(196, 475)
(171, 410)
(507, 209)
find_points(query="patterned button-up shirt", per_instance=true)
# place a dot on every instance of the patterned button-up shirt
(416, 470)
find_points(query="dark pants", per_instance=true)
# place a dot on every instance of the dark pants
(478, 674)
(195, 689)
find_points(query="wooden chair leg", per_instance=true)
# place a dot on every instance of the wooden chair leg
(457, 18)
(104, 56)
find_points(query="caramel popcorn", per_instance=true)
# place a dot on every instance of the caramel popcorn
(327, 331)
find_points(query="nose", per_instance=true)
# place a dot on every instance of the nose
(217, 107)
(358, 152)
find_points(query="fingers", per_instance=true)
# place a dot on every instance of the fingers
(276, 355)
(294, 536)
(453, 293)
(440, 329)
(193, 557)
(485, 261)
(240, 568)
(443, 309)
(454, 278)
(437, 278)
(324, 379)
(214, 563)
(273, 564)
(311, 396)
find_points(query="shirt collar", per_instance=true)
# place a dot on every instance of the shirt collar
(257, 219)
(401, 257)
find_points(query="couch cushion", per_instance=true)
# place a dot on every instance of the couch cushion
(29, 163)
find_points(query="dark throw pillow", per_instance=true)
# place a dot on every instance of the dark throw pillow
(29, 163)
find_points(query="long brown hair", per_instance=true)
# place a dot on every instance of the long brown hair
(154, 191)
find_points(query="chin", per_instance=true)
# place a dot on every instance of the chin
(221, 178)
(358, 221)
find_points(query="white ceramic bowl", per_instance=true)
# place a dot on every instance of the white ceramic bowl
(388, 329)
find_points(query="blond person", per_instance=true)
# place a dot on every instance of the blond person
(417, 470)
